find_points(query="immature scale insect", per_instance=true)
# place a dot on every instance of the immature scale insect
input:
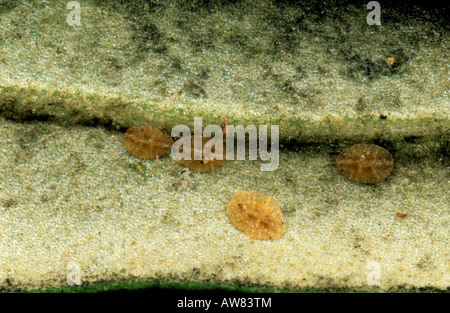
(365, 163)
(206, 164)
(257, 215)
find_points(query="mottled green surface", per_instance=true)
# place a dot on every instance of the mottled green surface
(317, 71)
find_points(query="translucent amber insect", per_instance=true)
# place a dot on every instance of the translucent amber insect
(257, 215)
(365, 163)
(146, 142)
(400, 215)
(206, 164)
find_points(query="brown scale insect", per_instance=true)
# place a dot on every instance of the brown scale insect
(400, 215)
(203, 165)
(257, 215)
(146, 142)
(390, 61)
(365, 163)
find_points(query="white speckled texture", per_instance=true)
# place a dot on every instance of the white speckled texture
(73, 194)
(316, 75)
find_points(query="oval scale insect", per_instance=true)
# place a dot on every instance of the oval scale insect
(365, 163)
(146, 142)
(203, 165)
(257, 215)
